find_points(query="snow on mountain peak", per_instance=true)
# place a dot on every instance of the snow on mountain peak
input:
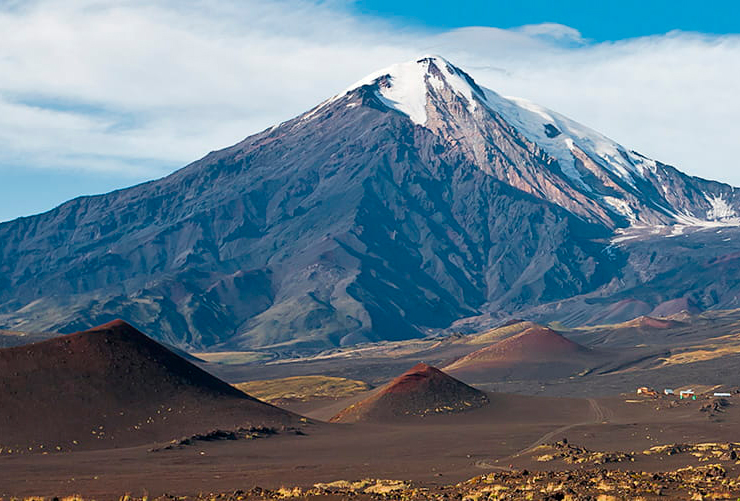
(404, 87)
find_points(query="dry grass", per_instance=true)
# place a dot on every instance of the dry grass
(303, 388)
(499, 333)
(718, 348)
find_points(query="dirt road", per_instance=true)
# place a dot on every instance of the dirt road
(599, 414)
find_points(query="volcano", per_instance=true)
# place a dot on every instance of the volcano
(421, 391)
(646, 322)
(411, 200)
(112, 386)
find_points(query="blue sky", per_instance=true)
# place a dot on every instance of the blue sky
(97, 95)
(596, 20)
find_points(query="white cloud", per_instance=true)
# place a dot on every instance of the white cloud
(86, 79)
(126, 85)
(552, 32)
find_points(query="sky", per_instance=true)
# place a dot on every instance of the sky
(97, 95)
(595, 20)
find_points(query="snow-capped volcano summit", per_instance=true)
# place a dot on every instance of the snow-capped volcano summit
(572, 165)
(408, 87)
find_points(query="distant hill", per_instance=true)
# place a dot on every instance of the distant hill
(646, 322)
(535, 352)
(112, 386)
(421, 391)
(499, 333)
(675, 307)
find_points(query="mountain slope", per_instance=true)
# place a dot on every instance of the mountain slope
(112, 386)
(411, 200)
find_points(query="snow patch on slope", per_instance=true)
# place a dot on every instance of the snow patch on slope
(685, 223)
(535, 123)
(530, 119)
(720, 208)
(622, 207)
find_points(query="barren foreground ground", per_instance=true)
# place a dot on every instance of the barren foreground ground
(512, 434)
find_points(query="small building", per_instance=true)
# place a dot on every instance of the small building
(669, 391)
(687, 395)
(649, 392)
(722, 394)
